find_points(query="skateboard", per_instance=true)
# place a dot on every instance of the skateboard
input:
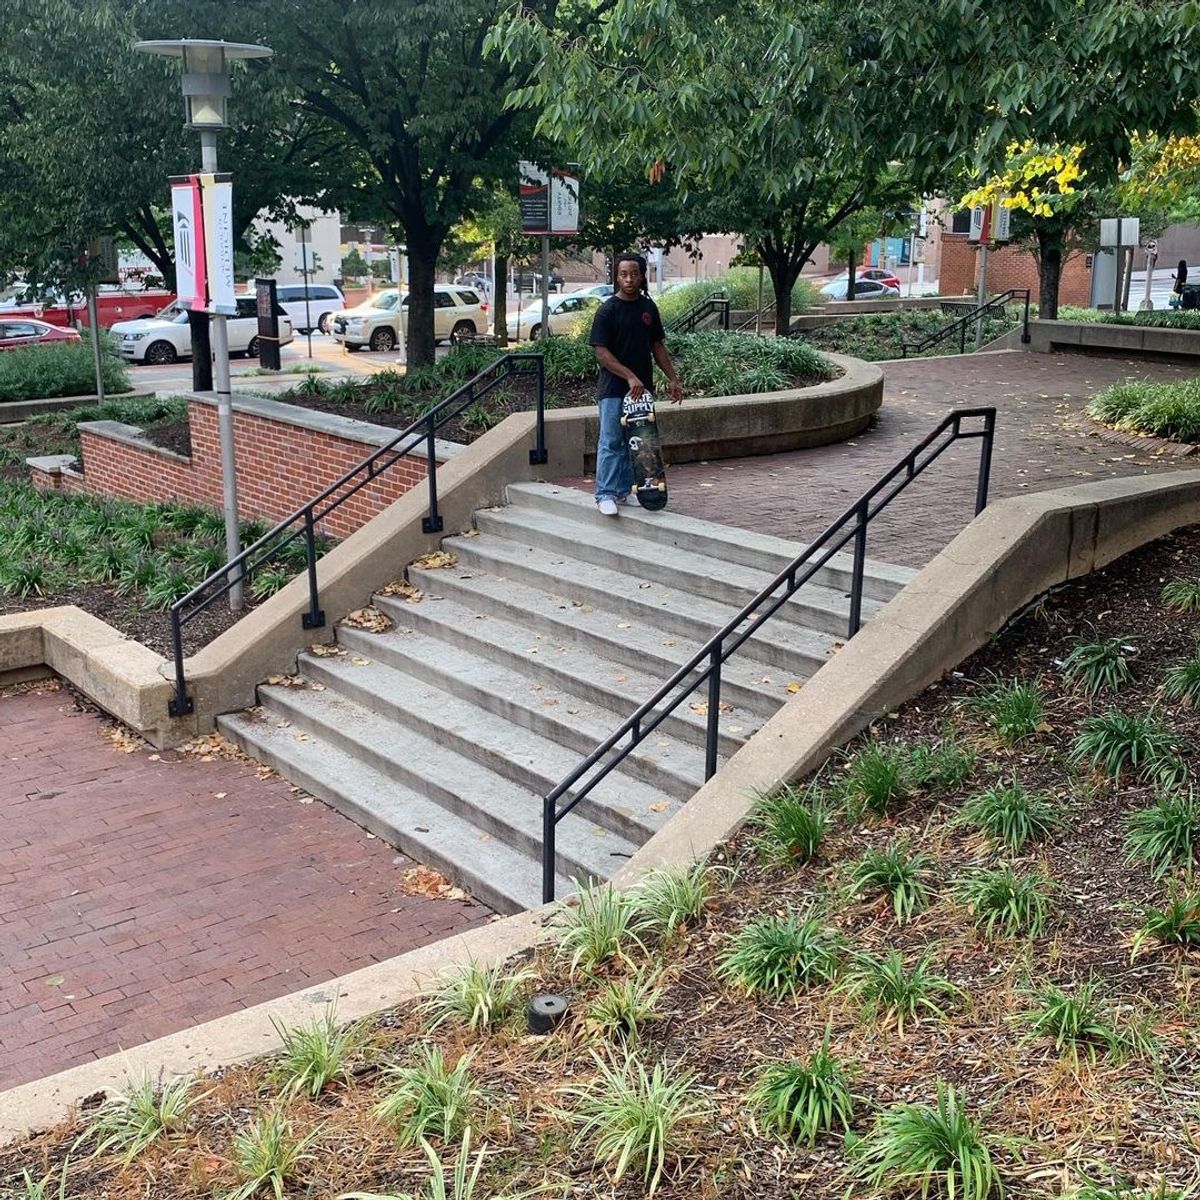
(645, 451)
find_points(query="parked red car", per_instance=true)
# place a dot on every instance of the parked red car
(880, 275)
(18, 332)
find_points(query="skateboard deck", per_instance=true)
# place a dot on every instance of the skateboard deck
(645, 451)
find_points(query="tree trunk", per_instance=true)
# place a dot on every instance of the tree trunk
(422, 270)
(1050, 256)
(784, 274)
(851, 280)
(500, 300)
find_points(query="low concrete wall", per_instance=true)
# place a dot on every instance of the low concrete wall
(1095, 337)
(1010, 554)
(12, 411)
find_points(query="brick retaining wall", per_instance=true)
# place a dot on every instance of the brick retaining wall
(1009, 267)
(283, 461)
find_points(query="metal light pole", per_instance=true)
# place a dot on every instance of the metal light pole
(206, 90)
(1147, 304)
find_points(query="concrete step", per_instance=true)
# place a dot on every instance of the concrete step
(666, 611)
(664, 763)
(495, 873)
(881, 581)
(465, 788)
(604, 542)
(529, 661)
(415, 728)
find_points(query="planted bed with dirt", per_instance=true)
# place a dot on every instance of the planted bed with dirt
(960, 961)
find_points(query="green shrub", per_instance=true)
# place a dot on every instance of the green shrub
(886, 986)
(60, 369)
(897, 872)
(790, 823)
(134, 1119)
(1177, 924)
(1003, 902)
(740, 284)
(1012, 816)
(1116, 742)
(1098, 665)
(918, 1148)
(317, 1054)
(430, 1097)
(1012, 708)
(625, 1005)
(779, 956)
(1165, 834)
(878, 776)
(1182, 681)
(803, 1099)
(875, 336)
(1167, 318)
(1166, 410)
(1182, 595)
(477, 997)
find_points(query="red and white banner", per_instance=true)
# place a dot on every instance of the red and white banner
(202, 210)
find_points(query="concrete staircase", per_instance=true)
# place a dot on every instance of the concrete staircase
(441, 734)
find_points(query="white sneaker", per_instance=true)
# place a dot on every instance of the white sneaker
(607, 506)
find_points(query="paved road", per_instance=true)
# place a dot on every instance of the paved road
(143, 893)
(1040, 443)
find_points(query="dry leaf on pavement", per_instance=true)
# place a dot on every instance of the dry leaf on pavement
(369, 619)
(403, 589)
(435, 559)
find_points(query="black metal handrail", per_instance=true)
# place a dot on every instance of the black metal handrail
(852, 524)
(717, 303)
(763, 314)
(977, 313)
(304, 522)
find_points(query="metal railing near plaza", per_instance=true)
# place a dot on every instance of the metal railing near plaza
(972, 314)
(704, 667)
(757, 320)
(302, 527)
(718, 304)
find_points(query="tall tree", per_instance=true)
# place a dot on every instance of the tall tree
(409, 85)
(91, 130)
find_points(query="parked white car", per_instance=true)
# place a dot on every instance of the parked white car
(458, 312)
(324, 302)
(601, 291)
(564, 312)
(167, 338)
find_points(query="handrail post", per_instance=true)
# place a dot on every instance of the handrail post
(549, 824)
(182, 704)
(1025, 338)
(860, 560)
(985, 460)
(314, 618)
(711, 735)
(962, 337)
(433, 522)
(725, 315)
(538, 456)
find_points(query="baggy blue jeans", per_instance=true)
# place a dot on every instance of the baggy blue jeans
(614, 471)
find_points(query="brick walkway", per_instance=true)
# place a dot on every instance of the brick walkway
(1040, 443)
(142, 893)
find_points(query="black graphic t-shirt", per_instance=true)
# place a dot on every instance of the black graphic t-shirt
(629, 328)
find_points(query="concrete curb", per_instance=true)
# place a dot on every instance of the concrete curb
(12, 411)
(1010, 554)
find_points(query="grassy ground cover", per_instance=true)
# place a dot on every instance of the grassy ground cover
(741, 286)
(60, 369)
(123, 562)
(710, 364)
(57, 433)
(1164, 410)
(959, 962)
(877, 336)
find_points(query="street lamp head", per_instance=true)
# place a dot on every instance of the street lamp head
(206, 85)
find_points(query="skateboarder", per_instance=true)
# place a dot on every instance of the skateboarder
(628, 337)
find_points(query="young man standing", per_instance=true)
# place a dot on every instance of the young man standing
(628, 337)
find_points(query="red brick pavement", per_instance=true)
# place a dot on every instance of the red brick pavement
(142, 893)
(1041, 443)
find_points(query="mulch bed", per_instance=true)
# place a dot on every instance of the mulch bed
(1057, 1119)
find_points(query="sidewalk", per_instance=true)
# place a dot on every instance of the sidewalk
(141, 893)
(1041, 443)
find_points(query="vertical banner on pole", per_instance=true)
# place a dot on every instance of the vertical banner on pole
(202, 212)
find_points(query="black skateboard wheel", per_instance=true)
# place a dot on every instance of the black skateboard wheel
(545, 1013)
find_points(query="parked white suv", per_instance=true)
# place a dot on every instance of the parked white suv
(457, 312)
(168, 337)
(324, 301)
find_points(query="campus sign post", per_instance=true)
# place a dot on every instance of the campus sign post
(203, 212)
(549, 208)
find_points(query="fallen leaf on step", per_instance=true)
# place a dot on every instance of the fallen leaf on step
(794, 687)
(285, 681)
(701, 707)
(326, 650)
(369, 619)
(361, 662)
(669, 642)
(532, 650)
(434, 560)
(220, 795)
(303, 737)
(623, 625)
(573, 711)
(735, 729)
(469, 533)
(661, 806)
(706, 485)
(316, 687)
(403, 589)
(765, 679)
(644, 585)
(548, 703)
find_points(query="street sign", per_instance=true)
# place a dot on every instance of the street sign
(102, 253)
(549, 201)
(1001, 222)
(980, 221)
(1120, 231)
